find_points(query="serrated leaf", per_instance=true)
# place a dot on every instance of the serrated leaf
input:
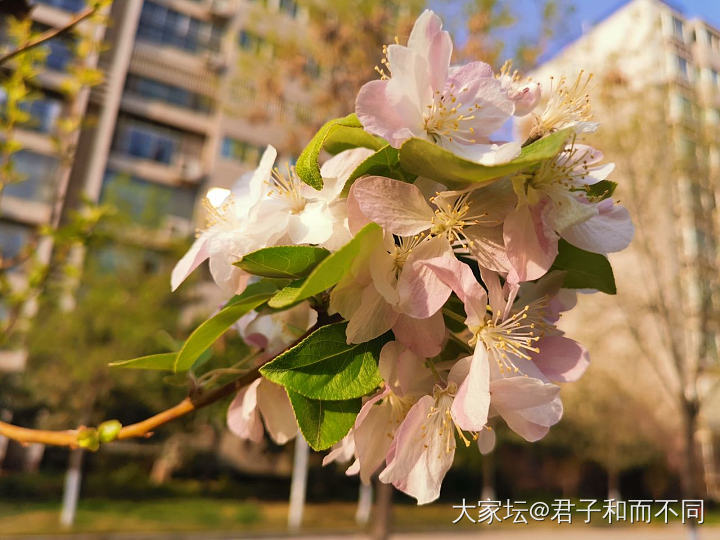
(324, 366)
(584, 270)
(334, 136)
(208, 332)
(384, 162)
(425, 158)
(291, 262)
(328, 272)
(323, 423)
(159, 362)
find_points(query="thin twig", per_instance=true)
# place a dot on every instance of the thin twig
(46, 36)
(145, 428)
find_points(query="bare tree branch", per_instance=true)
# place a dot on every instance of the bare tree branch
(50, 34)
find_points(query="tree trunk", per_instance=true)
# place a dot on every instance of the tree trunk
(382, 524)
(362, 515)
(169, 459)
(5, 416)
(691, 486)
(488, 476)
(298, 484)
(613, 484)
(73, 477)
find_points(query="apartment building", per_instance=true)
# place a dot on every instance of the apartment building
(38, 199)
(651, 49)
(165, 126)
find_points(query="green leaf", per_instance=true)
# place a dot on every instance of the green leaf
(283, 261)
(208, 332)
(424, 158)
(335, 136)
(329, 271)
(601, 190)
(584, 270)
(384, 162)
(324, 366)
(160, 362)
(323, 423)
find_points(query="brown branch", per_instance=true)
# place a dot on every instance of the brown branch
(50, 34)
(144, 428)
(139, 429)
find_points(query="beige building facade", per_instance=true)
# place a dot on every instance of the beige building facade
(664, 68)
(167, 124)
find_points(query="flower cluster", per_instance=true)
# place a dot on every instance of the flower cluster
(449, 297)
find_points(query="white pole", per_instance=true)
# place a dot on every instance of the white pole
(72, 488)
(362, 515)
(298, 484)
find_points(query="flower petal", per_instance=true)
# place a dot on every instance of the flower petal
(336, 170)
(531, 246)
(372, 318)
(459, 277)
(194, 257)
(432, 43)
(422, 291)
(373, 435)
(277, 412)
(424, 337)
(243, 418)
(472, 401)
(486, 441)
(398, 207)
(561, 359)
(487, 246)
(609, 231)
(313, 225)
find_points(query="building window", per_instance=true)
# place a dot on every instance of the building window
(161, 24)
(147, 203)
(249, 41)
(715, 77)
(13, 237)
(713, 40)
(38, 173)
(678, 29)
(241, 151)
(290, 7)
(146, 141)
(682, 67)
(44, 112)
(67, 5)
(168, 93)
(60, 54)
(684, 106)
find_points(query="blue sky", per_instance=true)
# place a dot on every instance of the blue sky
(589, 11)
(585, 13)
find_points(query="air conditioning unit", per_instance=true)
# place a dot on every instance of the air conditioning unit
(216, 61)
(191, 170)
(224, 8)
(177, 227)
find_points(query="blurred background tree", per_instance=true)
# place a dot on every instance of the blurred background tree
(307, 78)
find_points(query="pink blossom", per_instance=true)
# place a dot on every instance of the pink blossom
(270, 207)
(509, 343)
(470, 220)
(423, 448)
(262, 402)
(553, 203)
(385, 289)
(458, 108)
